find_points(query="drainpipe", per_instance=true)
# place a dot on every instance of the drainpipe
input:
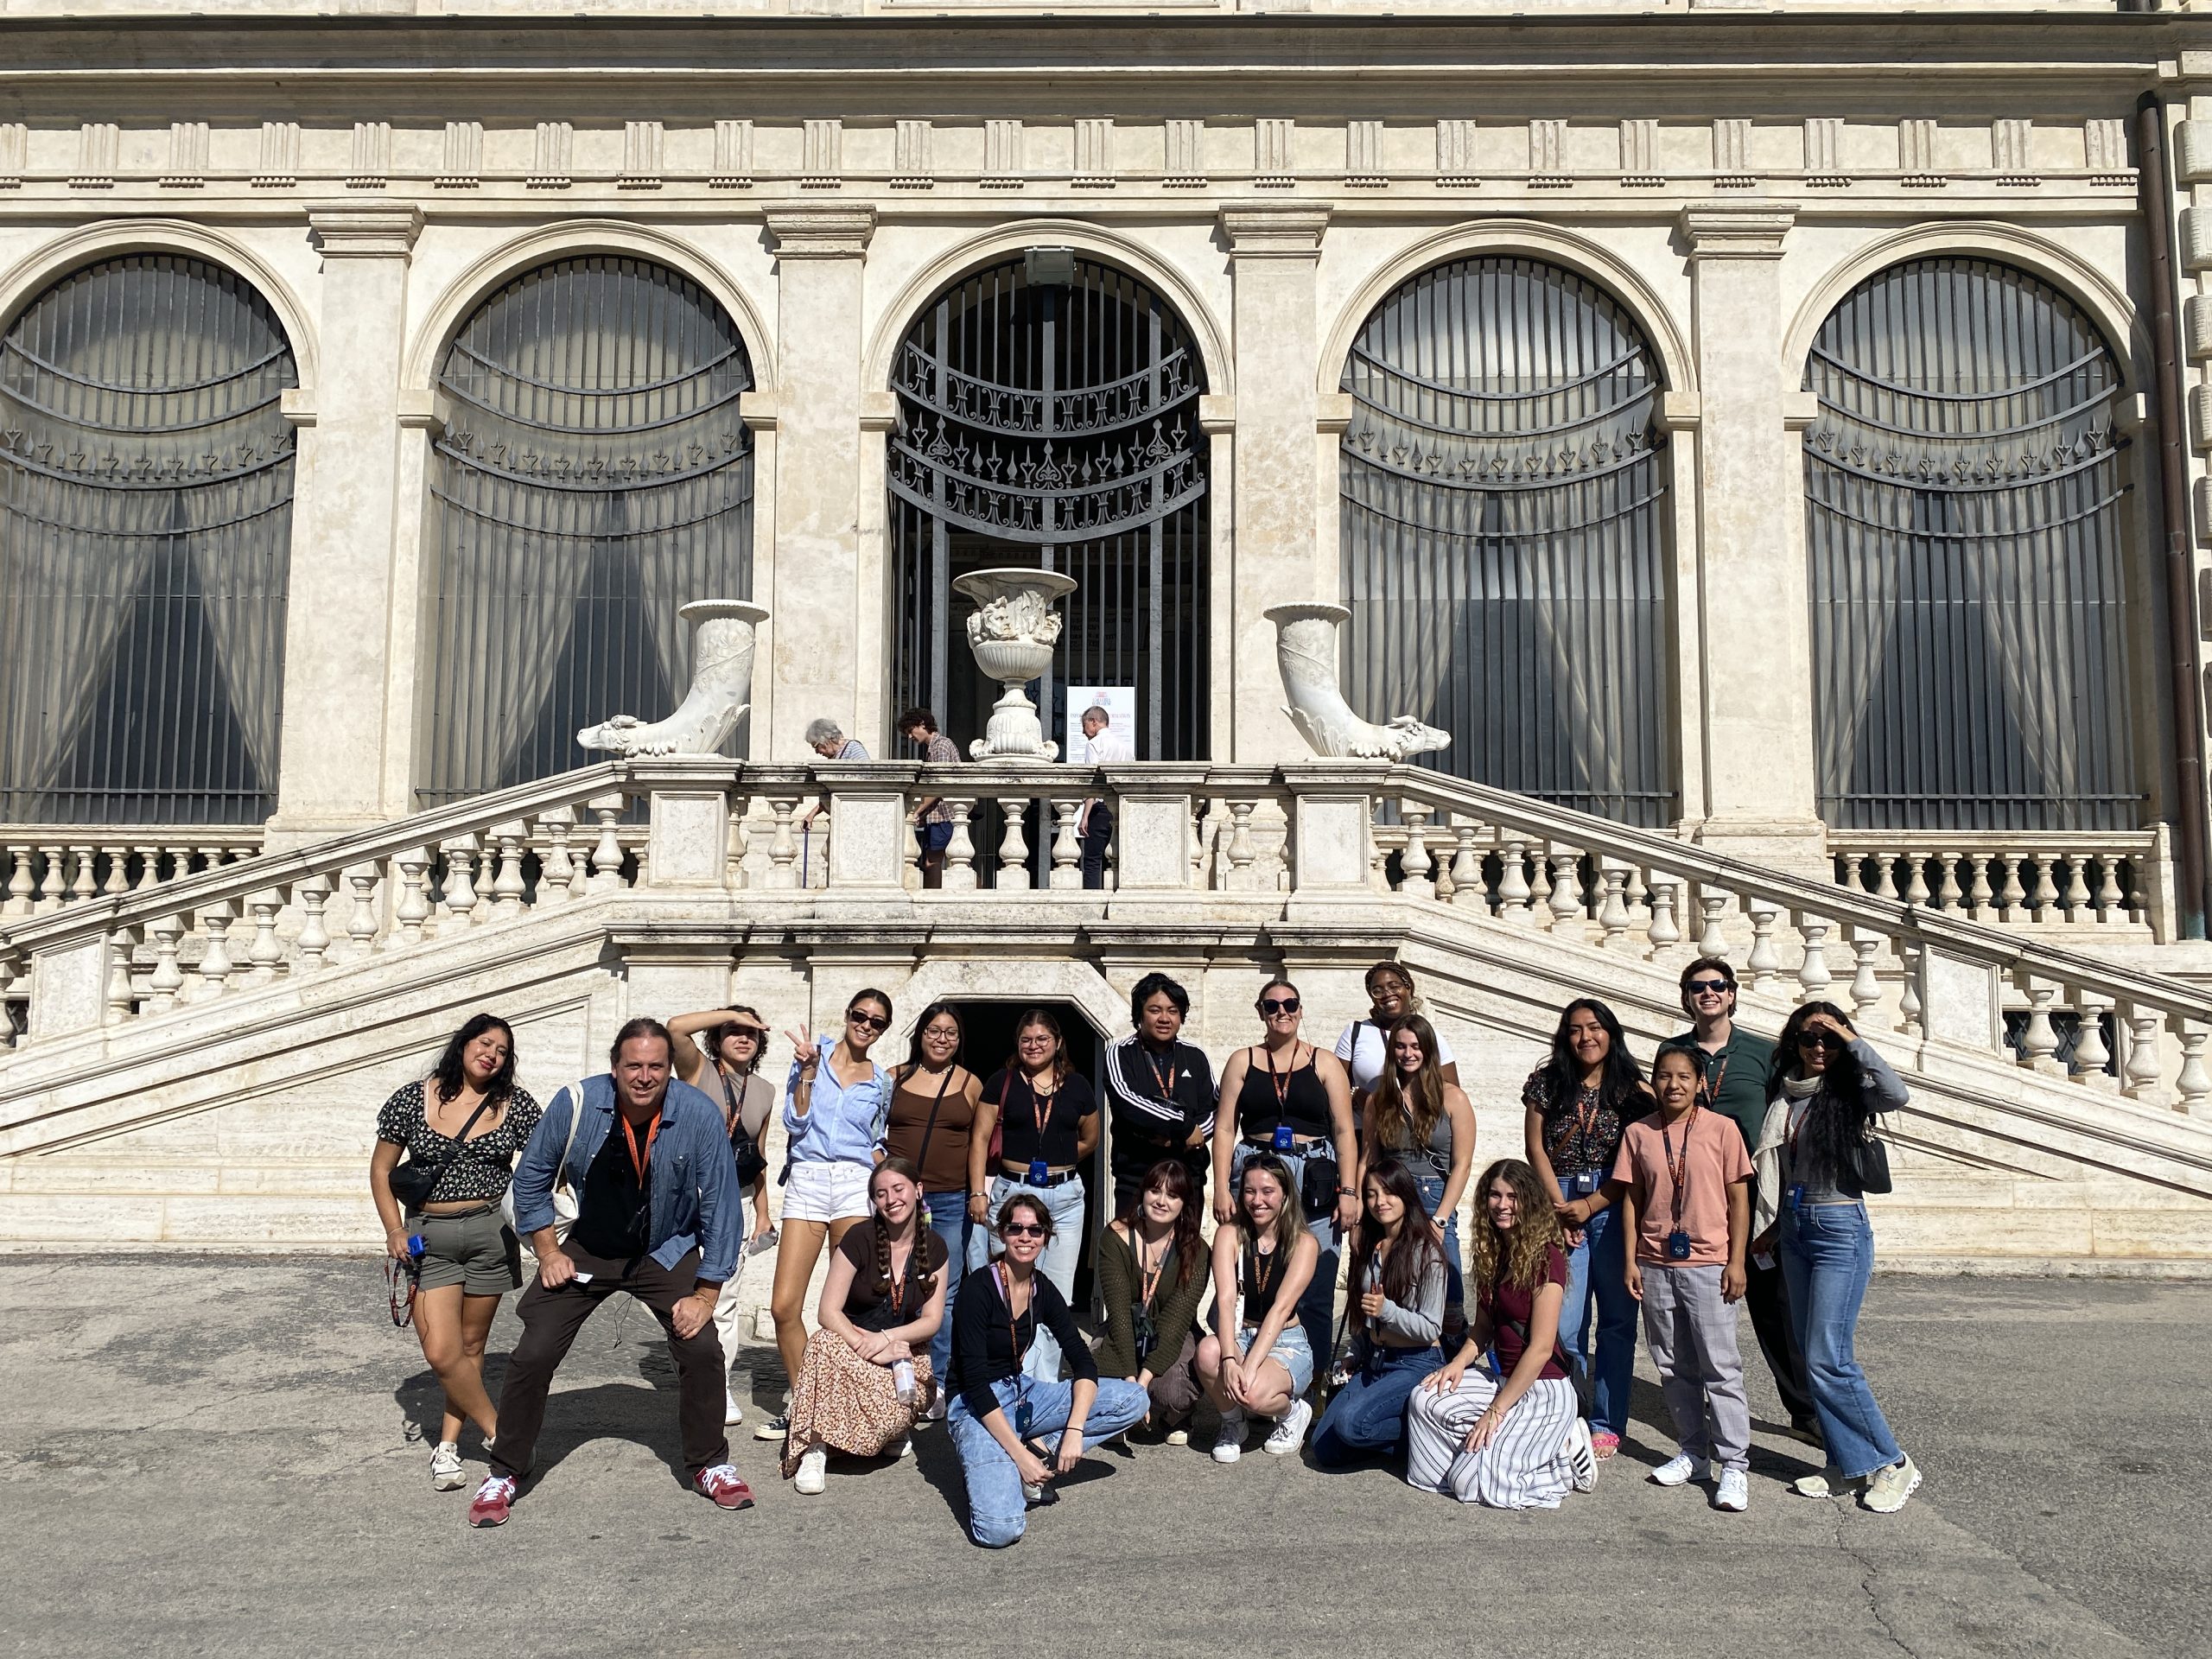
(2173, 479)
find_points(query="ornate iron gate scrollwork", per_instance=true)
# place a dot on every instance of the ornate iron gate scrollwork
(1055, 425)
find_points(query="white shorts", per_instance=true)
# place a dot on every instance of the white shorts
(826, 1191)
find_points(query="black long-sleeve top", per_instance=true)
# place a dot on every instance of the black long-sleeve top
(985, 1341)
(1157, 1098)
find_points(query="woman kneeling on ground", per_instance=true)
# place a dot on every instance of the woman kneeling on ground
(461, 1127)
(1521, 1444)
(1152, 1276)
(867, 1377)
(1000, 1417)
(1258, 1360)
(1398, 1288)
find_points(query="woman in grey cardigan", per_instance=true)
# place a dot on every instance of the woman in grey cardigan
(1396, 1314)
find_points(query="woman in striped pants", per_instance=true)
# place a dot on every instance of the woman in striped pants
(1519, 1444)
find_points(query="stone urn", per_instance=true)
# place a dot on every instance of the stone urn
(721, 688)
(1306, 654)
(1012, 633)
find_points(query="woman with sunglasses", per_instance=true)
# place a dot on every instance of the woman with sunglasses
(1396, 1316)
(1828, 1086)
(1152, 1277)
(465, 1122)
(728, 1068)
(1365, 1047)
(1047, 1118)
(1574, 1107)
(938, 1124)
(1258, 1360)
(1419, 1118)
(881, 1300)
(1003, 1418)
(1285, 1096)
(836, 1101)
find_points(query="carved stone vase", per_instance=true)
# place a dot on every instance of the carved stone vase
(1012, 633)
(721, 686)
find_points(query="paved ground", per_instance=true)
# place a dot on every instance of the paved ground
(222, 1456)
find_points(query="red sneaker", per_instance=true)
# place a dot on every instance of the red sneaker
(720, 1482)
(489, 1508)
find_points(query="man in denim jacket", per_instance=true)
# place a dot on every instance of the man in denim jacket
(657, 1216)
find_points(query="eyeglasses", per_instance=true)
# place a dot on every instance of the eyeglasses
(1819, 1039)
(942, 1035)
(872, 1022)
(1021, 1230)
(1273, 1005)
(1709, 986)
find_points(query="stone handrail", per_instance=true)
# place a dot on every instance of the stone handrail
(46, 867)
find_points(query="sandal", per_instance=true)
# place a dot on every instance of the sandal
(1605, 1442)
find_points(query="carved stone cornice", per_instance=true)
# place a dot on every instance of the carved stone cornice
(1746, 233)
(806, 231)
(1273, 231)
(383, 230)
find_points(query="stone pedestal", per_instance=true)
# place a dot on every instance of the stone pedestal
(688, 839)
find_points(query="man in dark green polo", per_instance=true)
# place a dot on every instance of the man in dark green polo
(1735, 1064)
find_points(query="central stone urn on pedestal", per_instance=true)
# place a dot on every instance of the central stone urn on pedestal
(1012, 633)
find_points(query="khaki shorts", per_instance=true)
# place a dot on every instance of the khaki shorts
(476, 1252)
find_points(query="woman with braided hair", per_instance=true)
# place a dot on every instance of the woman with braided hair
(867, 1378)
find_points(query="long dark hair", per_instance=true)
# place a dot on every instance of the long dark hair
(1623, 1079)
(1419, 1242)
(918, 1265)
(1835, 1117)
(452, 1078)
(1174, 1174)
(1040, 1017)
(914, 1056)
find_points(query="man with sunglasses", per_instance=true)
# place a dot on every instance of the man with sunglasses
(1733, 1065)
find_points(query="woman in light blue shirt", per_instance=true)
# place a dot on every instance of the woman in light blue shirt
(836, 1104)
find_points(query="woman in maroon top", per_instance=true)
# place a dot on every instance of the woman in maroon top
(1516, 1440)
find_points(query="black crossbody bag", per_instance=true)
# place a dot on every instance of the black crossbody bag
(413, 1182)
(751, 1162)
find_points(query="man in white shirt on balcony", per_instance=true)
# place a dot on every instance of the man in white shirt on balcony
(1094, 824)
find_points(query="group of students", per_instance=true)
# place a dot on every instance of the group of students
(953, 1209)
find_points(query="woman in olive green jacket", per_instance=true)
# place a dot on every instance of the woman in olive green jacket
(1151, 1274)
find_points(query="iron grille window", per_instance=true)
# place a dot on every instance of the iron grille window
(1055, 425)
(145, 536)
(1963, 492)
(593, 477)
(1501, 539)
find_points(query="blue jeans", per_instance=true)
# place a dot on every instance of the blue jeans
(1597, 1270)
(997, 1515)
(1455, 1284)
(1317, 1305)
(1063, 1204)
(1827, 1256)
(950, 1221)
(1367, 1414)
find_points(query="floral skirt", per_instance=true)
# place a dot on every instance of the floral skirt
(849, 1404)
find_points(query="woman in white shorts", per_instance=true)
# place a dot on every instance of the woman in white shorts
(836, 1105)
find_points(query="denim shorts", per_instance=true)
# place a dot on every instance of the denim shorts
(1292, 1351)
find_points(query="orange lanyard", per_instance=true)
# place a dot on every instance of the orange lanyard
(639, 1159)
(1678, 1175)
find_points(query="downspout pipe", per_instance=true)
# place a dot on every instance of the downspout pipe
(2156, 183)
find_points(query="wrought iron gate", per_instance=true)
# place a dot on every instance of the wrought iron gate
(1502, 538)
(1963, 492)
(593, 477)
(1055, 425)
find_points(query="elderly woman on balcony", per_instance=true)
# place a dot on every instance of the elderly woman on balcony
(827, 739)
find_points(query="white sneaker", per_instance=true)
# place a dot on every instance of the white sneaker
(1735, 1492)
(1582, 1456)
(733, 1414)
(446, 1474)
(1681, 1470)
(813, 1471)
(1886, 1492)
(773, 1428)
(1229, 1444)
(905, 1447)
(1831, 1482)
(1289, 1431)
(1179, 1435)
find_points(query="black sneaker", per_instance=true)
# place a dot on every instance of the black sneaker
(775, 1428)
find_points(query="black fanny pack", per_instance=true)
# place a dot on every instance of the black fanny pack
(1317, 1184)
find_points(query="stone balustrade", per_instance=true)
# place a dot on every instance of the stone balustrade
(2104, 881)
(44, 867)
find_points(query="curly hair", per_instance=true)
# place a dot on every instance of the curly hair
(918, 1270)
(452, 1076)
(1513, 1261)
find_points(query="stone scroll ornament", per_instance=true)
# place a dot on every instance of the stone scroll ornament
(721, 688)
(1306, 652)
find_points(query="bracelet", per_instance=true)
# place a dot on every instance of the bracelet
(1346, 1191)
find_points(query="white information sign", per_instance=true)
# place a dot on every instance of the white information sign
(1120, 702)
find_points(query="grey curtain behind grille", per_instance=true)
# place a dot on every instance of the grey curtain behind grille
(1501, 534)
(1962, 490)
(145, 535)
(593, 477)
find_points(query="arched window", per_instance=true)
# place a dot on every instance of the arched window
(593, 477)
(1055, 423)
(1501, 540)
(1962, 514)
(145, 533)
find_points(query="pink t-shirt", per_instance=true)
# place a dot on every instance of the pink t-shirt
(1709, 1150)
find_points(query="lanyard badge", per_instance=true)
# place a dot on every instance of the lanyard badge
(1678, 1241)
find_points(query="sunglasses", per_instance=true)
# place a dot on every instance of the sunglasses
(1021, 1230)
(1278, 1005)
(1819, 1039)
(1709, 986)
(872, 1022)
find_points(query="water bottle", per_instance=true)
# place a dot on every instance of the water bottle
(902, 1382)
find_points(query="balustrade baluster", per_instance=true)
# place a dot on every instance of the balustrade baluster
(2091, 1054)
(1763, 964)
(1067, 850)
(21, 886)
(53, 890)
(2143, 1068)
(960, 851)
(166, 980)
(361, 925)
(413, 909)
(2075, 895)
(1813, 975)
(2110, 897)
(2012, 895)
(1910, 958)
(507, 885)
(215, 969)
(1013, 844)
(1865, 986)
(457, 892)
(607, 851)
(1566, 908)
(2042, 897)
(1513, 890)
(2039, 1040)
(117, 880)
(1916, 878)
(1949, 894)
(1468, 886)
(782, 848)
(1612, 909)
(1662, 929)
(122, 999)
(1413, 864)
(149, 868)
(558, 877)
(266, 954)
(2195, 1083)
(1886, 873)
(312, 944)
(1981, 896)
(1711, 940)
(82, 886)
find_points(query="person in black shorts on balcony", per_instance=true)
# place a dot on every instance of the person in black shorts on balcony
(1159, 1092)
